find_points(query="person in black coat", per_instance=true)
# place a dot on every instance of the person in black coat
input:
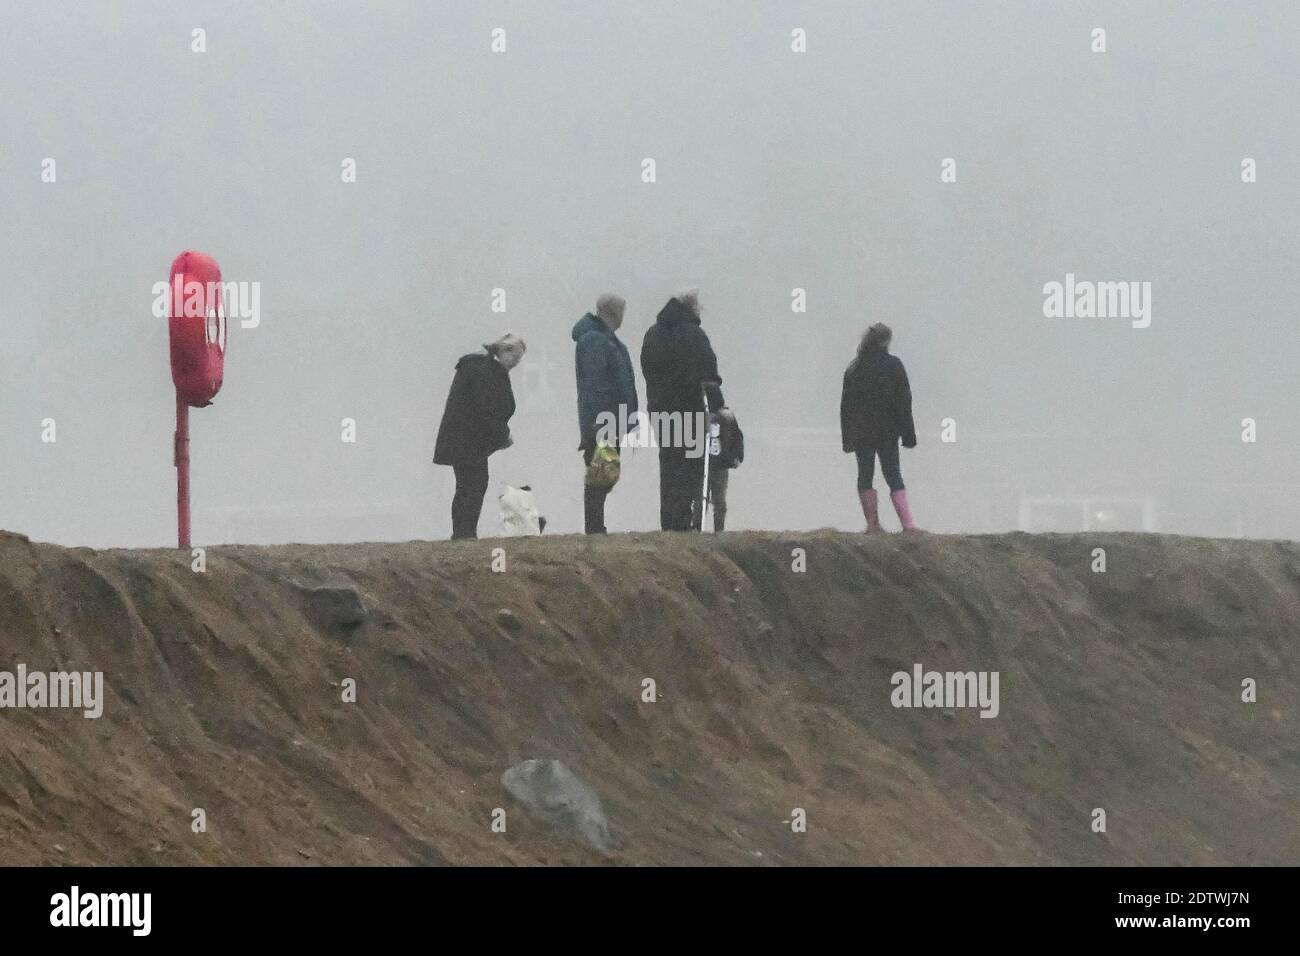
(475, 423)
(875, 413)
(676, 360)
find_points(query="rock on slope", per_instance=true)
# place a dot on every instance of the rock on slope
(1119, 690)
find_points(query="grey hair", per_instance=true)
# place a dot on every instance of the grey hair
(690, 298)
(610, 306)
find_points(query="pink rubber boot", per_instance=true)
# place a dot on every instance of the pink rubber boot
(869, 511)
(904, 512)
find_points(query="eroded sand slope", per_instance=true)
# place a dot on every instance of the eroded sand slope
(1119, 690)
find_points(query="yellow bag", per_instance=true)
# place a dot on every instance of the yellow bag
(604, 470)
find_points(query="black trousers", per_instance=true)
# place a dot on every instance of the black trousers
(467, 502)
(593, 501)
(888, 466)
(681, 481)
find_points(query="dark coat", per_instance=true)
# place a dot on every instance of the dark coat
(731, 440)
(876, 403)
(479, 406)
(675, 358)
(605, 376)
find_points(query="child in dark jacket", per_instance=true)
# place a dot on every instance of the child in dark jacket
(726, 450)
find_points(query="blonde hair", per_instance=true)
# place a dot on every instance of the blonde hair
(507, 343)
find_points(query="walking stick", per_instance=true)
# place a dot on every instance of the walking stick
(708, 443)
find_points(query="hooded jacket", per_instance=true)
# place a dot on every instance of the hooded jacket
(479, 406)
(676, 358)
(604, 373)
(876, 403)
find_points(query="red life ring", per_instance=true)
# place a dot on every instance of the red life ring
(198, 328)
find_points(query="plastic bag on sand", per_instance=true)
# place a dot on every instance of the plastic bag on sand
(519, 516)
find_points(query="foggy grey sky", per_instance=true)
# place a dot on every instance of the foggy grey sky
(775, 170)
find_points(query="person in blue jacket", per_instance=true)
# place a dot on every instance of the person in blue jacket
(606, 381)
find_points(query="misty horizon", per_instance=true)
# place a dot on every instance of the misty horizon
(775, 171)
